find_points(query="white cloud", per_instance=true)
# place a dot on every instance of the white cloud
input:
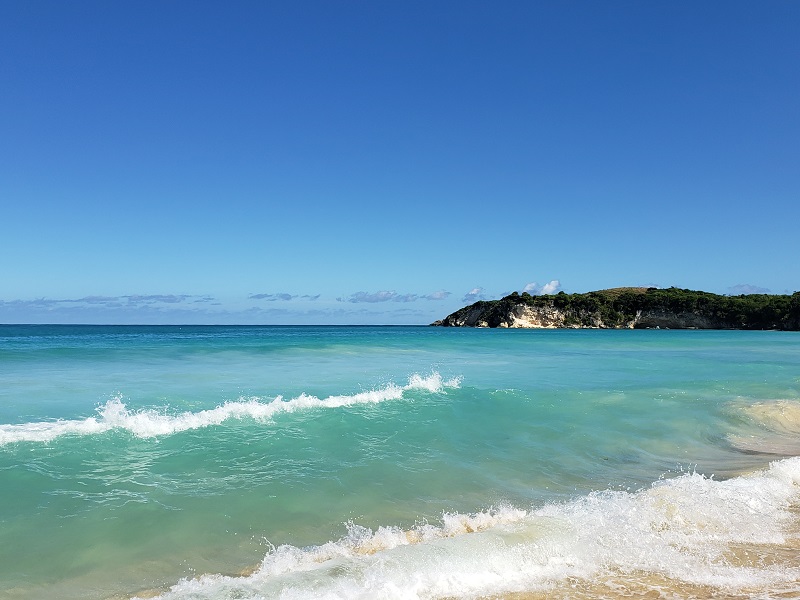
(440, 295)
(551, 287)
(405, 298)
(474, 295)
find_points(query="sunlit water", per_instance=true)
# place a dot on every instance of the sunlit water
(369, 462)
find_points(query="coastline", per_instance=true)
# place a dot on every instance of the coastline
(632, 308)
(554, 570)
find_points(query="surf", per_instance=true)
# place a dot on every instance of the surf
(690, 532)
(297, 463)
(114, 415)
(778, 423)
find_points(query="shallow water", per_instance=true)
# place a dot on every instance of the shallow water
(397, 462)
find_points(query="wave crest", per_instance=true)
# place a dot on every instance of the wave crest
(148, 423)
(677, 533)
(779, 424)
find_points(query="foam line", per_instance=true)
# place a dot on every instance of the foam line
(151, 423)
(679, 530)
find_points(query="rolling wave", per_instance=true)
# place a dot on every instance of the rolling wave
(147, 423)
(779, 428)
(687, 533)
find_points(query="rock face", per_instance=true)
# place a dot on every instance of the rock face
(685, 320)
(545, 317)
(629, 308)
(471, 316)
(518, 316)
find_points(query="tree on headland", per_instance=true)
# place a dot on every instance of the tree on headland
(643, 307)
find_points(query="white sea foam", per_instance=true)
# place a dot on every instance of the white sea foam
(684, 531)
(151, 423)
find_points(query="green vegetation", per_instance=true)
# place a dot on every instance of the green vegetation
(650, 307)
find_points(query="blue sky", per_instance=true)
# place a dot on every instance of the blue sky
(388, 162)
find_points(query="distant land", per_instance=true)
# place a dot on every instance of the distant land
(633, 308)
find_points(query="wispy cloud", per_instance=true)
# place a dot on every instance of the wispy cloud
(342, 314)
(746, 288)
(283, 297)
(391, 296)
(159, 298)
(440, 295)
(474, 295)
(551, 287)
(129, 301)
(382, 296)
(133, 308)
(272, 297)
(191, 309)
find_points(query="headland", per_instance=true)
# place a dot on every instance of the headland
(632, 308)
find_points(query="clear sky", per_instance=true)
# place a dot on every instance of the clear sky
(389, 161)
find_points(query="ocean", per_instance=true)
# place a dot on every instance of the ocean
(397, 463)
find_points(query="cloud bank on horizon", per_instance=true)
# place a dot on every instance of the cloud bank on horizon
(296, 308)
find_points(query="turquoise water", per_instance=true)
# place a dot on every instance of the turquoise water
(396, 462)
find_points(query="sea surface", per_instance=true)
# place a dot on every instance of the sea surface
(397, 463)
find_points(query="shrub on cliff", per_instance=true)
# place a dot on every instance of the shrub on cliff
(619, 306)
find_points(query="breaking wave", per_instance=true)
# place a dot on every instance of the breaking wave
(146, 423)
(687, 531)
(778, 422)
